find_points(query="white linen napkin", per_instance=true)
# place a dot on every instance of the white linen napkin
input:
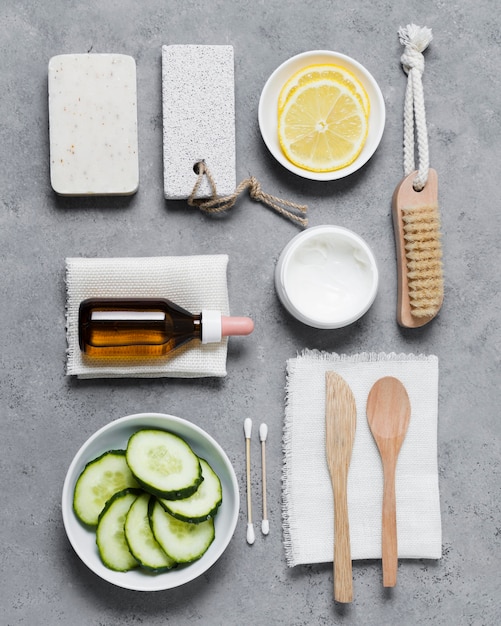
(308, 509)
(193, 282)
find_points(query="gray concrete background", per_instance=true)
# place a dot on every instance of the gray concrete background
(45, 416)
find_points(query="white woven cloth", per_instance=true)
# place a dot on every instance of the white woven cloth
(193, 282)
(308, 509)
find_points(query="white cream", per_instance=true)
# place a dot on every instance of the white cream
(327, 277)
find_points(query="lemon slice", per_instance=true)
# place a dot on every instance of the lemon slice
(314, 73)
(322, 126)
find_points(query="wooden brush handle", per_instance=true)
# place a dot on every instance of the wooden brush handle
(406, 197)
(343, 581)
(389, 544)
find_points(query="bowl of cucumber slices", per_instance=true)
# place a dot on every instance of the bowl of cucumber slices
(150, 502)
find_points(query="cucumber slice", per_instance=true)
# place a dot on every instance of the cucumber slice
(182, 541)
(110, 534)
(203, 504)
(164, 464)
(99, 480)
(140, 538)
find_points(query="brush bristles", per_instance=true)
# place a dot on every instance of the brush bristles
(423, 253)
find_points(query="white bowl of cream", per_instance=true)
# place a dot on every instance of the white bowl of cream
(327, 277)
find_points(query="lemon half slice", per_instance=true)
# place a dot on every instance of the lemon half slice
(314, 73)
(322, 126)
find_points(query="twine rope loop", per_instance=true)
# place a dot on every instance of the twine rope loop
(415, 40)
(291, 210)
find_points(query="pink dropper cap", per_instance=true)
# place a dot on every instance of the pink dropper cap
(236, 326)
(215, 326)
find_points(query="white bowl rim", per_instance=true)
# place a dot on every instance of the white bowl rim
(161, 581)
(268, 105)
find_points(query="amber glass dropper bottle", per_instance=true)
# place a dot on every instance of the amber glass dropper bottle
(148, 327)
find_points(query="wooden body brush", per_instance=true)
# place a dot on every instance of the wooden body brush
(416, 221)
(416, 217)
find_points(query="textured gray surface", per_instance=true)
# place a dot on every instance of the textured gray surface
(46, 416)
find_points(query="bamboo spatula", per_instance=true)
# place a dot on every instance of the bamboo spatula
(340, 424)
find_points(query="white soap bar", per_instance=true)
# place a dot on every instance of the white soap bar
(198, 94)
(93, 124)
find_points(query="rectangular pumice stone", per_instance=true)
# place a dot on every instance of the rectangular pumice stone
(198, 95)
(93, 124)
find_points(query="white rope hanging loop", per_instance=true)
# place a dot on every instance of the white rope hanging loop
(415, 39)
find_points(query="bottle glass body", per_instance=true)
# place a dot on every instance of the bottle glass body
(134, 327)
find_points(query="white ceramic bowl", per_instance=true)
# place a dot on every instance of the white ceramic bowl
(114, 436)
(268, 103)
(327, 277)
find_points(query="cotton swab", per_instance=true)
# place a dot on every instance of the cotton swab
(263, 433)
(250, 527)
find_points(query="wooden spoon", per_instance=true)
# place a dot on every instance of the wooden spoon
(388, 413)
(340, 424)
